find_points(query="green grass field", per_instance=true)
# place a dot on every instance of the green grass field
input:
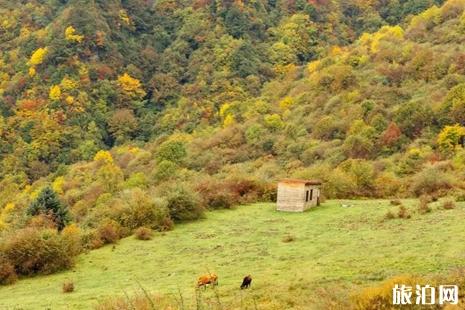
(336, 250)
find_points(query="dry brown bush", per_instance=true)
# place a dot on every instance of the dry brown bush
(143, 233)
(68, 287)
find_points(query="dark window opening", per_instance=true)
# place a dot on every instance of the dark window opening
(306, 196)
(311, 194)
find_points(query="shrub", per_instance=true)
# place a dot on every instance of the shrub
(173, 151)
(91, 240)
(459, 195)
(138, 209)
(183, 203)
(215, 195)
(109, 232)
(389, 215)
(42, 221)
(288, 238)
(429, 181)
(7, 272)
(380, 297)
(395, 202)
(423, 206)
(68, 287)
(243, 189)
(143, 233)
(34, 251)
(165, 170)
(403, 213)
(137, 179)
(72, 236)
(142, 301)
(448, 205)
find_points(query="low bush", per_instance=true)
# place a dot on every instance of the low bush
(448, 204)
(430, 180)
(459, 195)
(37, 251)
(288, 238)
(72, 236)
(138, 209)
(7, 272)
(225, 194)
(395, 202)
(68, 287)
(380, 297)
(215, 195)
(143, 233)
(423, 206)
(183, 203)
(141, 301)
(389, 215)
(109, 232)
(403, 212)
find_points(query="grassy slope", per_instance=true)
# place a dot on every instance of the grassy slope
(338, 246)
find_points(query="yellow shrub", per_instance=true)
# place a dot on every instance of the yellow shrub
(32, 72)
(68, 84)
(286, 103)
(69, 100)
(55, 92)
(130, 85)
(38, 56)
(103, 156)
(57, 185)
(380, 297)
(72, 235)
(228, 120)
(70, 35)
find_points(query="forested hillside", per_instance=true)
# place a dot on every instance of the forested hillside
(122, 114)
(80, 76)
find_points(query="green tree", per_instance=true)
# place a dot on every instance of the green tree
(48, 203)
(173, 151)
(450, 137)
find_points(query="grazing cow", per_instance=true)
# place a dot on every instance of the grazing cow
(207, 279)
(246, 282)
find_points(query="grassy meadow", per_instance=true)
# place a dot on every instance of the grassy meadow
(300, 261)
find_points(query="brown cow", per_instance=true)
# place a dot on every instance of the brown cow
(207, 279)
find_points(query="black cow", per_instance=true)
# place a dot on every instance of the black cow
(246, 282)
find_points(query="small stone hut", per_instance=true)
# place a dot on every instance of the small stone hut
(298, 195)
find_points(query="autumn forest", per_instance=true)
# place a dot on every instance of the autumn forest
(118, 115)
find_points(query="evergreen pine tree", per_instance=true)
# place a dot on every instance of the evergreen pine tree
(47, 203)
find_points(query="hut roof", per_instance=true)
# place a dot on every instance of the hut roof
(299, 181)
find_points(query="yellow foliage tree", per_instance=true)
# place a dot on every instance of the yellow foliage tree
(451, 137)
(4, 214)
(286, 103)
(130, 85)
(228, 120)
(68, 84)
(313, 66)
(224, 109)
(103, 156)
(386, 32)
(70, 35)
(55, 92)
(69, 100)
(38, 56)
(123, 15)
(57, 185)
(32, 72)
